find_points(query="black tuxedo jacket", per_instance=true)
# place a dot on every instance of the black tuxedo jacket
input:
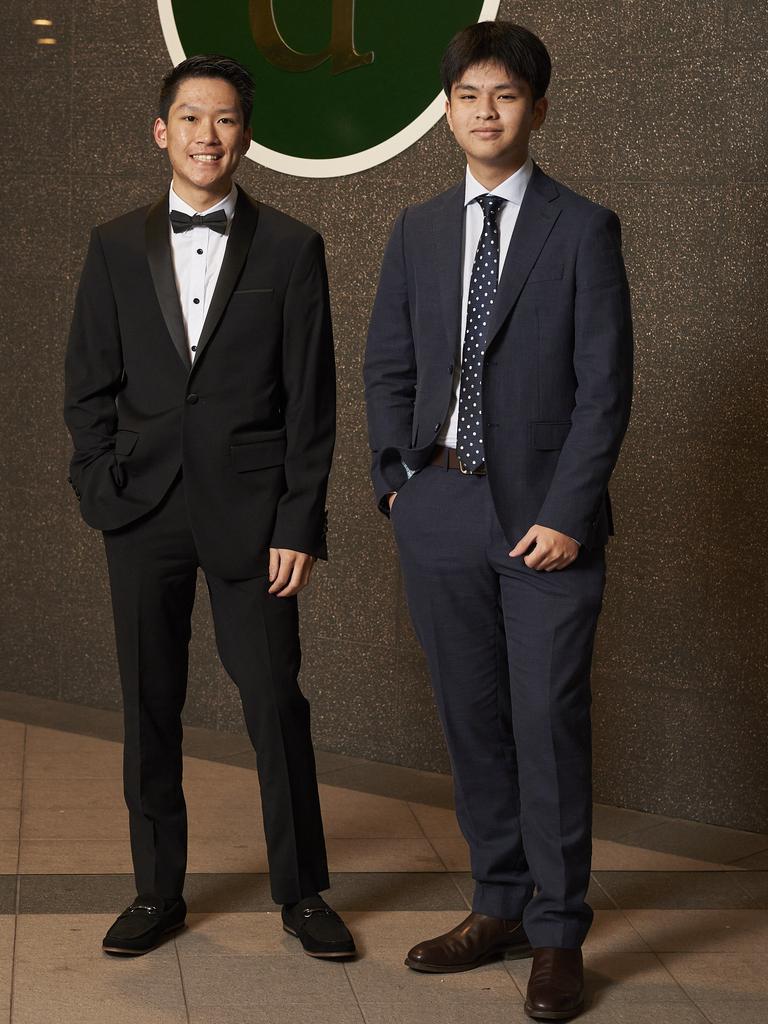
(557, 378)
(250, 422)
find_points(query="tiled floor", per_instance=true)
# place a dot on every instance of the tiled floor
(681, 909)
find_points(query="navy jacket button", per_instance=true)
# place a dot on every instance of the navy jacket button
(191, 399)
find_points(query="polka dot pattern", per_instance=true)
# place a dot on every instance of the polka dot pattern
(482, 291)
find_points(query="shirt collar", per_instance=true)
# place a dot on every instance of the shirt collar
(512, 189)
(227, 204)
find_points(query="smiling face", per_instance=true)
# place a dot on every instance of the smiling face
(492, 116)
(205, 138)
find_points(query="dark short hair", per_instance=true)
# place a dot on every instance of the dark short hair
(498, 42)
(208, 66)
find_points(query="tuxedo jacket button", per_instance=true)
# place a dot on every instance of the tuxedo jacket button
(191, 399)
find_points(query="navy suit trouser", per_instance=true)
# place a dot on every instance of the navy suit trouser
(509, 651)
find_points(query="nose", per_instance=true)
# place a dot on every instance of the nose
(486, 108)
(208, 134)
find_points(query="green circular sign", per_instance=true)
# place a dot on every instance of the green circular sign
(341, 85)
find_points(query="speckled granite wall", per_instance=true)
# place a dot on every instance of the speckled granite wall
(658, 110)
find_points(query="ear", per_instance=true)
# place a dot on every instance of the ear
(247, 138)
(160, 133)
(540, 108)
(448, 114)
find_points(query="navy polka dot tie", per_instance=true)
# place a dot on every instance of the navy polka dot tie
(482, 291)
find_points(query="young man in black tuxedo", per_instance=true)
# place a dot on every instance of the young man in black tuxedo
(200, 395)
(498, 380)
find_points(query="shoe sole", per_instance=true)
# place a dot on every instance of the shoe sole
(119, 951)
(508, 953)
(320, 956)
(553, 1014)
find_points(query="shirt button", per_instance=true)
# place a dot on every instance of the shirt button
(196, 301)
(199, 252)
(191, 399)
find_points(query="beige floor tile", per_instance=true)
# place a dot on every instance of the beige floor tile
(11, 749)
(75, 857)
(453, 852)
(216, 772)
(701, 841)
(214, 935)
(7, 932)
(10, 794)
(610, 856)
(716, 977)
(76, 823)
(736, 1011)
(437, 821)
(9, 852)
(70, 937)
(385, 979)
(611, 932)
(231, 855)
(265, 981)
(9, 823)
(347, 812)
(351, 854)
(702, 931)
(425, 1010)
(279, 1010)
(51, 754)
(92, 991)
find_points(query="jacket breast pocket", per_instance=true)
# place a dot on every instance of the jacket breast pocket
(264, 453)
(549, 435)
(254, 291)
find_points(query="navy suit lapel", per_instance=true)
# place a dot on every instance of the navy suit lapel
(236, 253)
(160, 261)
(535, 220)
(448, 237)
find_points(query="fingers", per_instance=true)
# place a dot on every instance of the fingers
(391, 498)
(293, 571)
(274, 563)
(523, 544)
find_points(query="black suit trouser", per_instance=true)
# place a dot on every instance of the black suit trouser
(153, 571)
(509, 651)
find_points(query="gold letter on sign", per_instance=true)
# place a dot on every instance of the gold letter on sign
(341, 49)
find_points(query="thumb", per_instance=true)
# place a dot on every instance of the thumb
(274, 564)
(524, 543)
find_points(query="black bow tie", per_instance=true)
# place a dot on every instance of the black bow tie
(183, 222)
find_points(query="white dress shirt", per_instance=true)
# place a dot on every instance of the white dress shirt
(513, 190)
(197, 258)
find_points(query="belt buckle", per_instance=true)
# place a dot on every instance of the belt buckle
(463, 469)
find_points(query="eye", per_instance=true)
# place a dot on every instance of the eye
(188, 117)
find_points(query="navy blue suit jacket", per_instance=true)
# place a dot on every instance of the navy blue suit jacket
(557, 378)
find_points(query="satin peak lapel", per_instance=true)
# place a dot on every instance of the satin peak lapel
(448, 235)
(160, 261)
(535, 220)
(238, 246)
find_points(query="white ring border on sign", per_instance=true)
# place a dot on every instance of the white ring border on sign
(334, 167)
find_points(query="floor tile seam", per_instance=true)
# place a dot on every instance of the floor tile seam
(737, 860)
(360, 1010)
(181, 979)
(452, 876)
(17, 901)
(603, 890)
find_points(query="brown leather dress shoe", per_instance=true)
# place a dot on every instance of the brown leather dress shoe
(475, 941)
(556, 986)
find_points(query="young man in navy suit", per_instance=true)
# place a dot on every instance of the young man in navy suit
(200, 395)
(498, 379)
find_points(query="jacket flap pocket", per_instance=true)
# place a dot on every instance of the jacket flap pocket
(253, 291)
(125, 441)
(551, 271)
(258, 454)
(549, 435)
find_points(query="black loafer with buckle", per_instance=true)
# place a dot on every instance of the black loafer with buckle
(143, 926)
(320, 930)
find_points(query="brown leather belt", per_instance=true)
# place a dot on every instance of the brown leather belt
(448, 459)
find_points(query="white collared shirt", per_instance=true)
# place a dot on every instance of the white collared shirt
(197, 258)
(513, 190)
